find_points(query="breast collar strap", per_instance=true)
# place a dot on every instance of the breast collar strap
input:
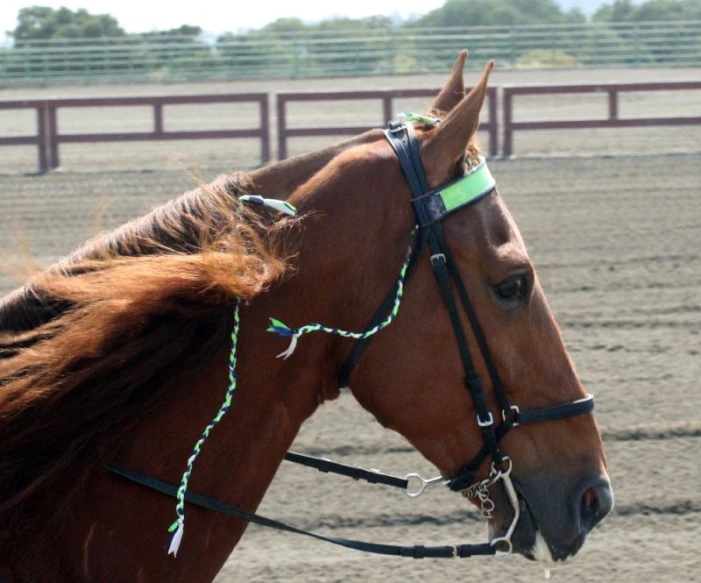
(430, 207)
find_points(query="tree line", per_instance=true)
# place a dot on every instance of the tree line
(340, 46)
(45, 23)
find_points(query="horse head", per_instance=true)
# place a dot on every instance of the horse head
(434, 318)
(413, 376)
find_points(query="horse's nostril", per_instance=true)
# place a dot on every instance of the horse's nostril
(596, 502)
(590, 503)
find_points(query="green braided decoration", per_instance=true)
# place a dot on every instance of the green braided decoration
(178, 526)
(285, 331)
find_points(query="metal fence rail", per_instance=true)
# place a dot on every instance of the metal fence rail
(374, 52)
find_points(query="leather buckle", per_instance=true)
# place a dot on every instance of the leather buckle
(488, 422)
(437, 257)
(511, 416)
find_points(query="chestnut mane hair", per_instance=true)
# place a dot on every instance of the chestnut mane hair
(70, 387)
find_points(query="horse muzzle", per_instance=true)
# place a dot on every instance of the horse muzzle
(554, 515)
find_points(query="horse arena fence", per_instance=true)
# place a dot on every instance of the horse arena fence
(613, 121)
(376, 51)
(284, 131)
(48, 136)
(500, 124)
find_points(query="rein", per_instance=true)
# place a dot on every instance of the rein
(430, 208)
(461, 551)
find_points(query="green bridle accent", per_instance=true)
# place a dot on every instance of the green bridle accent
(473, 185)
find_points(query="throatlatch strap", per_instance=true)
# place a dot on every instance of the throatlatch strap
(382, 312)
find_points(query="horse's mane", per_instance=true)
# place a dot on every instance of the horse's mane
(160, 293)
(174, 226)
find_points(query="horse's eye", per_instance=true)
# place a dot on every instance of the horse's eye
(513, 289)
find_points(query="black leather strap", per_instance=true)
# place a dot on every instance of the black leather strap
(380, 315)
(415, 552)
(470, 471)
(328, 466)
(479, 334)
(563, 411)
(428, 215)
(403, 140)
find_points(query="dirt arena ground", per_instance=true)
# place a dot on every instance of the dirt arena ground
(617, 242)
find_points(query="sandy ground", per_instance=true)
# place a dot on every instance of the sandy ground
(244, 153)
(617, 243)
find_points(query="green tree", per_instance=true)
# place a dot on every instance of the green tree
(496, 12)
(177, 51)
(283, 26)
(254, 52)
(650, 11)
(662, 45)
(576, 16)
(183, 33)
(45, 23)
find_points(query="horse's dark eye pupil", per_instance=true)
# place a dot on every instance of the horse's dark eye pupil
(512, 289)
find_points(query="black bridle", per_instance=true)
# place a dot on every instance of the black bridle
(429, 211)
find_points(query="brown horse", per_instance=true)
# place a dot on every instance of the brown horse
(120, 356)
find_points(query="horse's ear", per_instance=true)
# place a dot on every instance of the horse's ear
(448, 142)
(454, 89)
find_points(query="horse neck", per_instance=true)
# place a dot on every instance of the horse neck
(236, 463)
(281, 179)
(22, 310)
(274, 396)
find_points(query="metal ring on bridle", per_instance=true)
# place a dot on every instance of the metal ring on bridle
(423, 483)
(500, 555)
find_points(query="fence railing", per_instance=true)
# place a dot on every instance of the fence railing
(40, 139)
(612, 121)
(48, 135)
(284, 131)
(369, 52)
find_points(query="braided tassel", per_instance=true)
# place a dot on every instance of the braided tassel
(178, 527)
(284, 331)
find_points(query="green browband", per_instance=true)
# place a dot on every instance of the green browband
(474, 184)
(470, 187)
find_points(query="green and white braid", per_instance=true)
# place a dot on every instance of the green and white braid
(285, 331)
(176, 529)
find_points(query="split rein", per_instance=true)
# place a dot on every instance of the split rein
(328, 466)
(431, 207)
